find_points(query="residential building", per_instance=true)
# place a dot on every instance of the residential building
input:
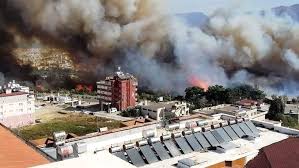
(118, 91)
(16, 107)
(158, 111)
(235, 111)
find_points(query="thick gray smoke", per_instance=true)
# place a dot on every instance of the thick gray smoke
(103, 25)
(164, 52)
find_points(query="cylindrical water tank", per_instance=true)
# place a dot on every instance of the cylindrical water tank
(153, 140)
(187, 132)
(173, 126)
(176, 135)
(191, 124)
(114, 149)
(149, 133)
(141, 143)
(197, 129)
(65, 150)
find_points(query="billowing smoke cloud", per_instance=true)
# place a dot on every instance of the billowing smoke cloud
(99, 26)
(161, 50)
(244, 48)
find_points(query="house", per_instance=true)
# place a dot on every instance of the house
(158, 111)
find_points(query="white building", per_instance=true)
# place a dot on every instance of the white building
(16, 107)
(159, 110)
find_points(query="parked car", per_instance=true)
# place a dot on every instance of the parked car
(112, 110)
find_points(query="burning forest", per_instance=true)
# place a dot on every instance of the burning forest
(95, 36)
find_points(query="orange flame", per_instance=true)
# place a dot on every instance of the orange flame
(195, 81)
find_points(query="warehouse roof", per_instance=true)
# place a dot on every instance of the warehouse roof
(14, 153)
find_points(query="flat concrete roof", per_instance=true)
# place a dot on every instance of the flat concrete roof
(245, 148)
(155, 106)
(100, 159)
(212, 157)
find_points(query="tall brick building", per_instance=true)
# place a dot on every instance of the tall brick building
(119, 91)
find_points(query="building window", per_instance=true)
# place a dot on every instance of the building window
(228, 163)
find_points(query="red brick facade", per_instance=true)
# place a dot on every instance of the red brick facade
(123, 95)
(118, 91)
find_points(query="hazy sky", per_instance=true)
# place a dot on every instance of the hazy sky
(207, 6)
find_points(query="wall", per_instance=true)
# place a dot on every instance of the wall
(211, 108)
(18, 121)
(236, 163)
(116, 138)
(277, 127)
(153, 114)
(17, 110)
(286, 130)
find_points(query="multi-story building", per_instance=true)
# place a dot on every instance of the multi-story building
(118, 91)
(16, 106)
(158, 111)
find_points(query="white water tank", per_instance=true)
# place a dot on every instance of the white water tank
(65, 151)
(173, 126)
(149, 133)
(191, 124)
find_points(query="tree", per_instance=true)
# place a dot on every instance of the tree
(294, 101)
(276, 107)
(288, 121)
(257, 94)
(216, 94)
(194, 93)
(243, 92)
(200, 103)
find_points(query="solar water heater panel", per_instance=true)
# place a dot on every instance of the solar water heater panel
(121, 155)
(202, 140)
(172, 148)
(160, 150)
(218, 136)
(135, 157)
(246, 130)
(212, 140)
(231, 132)
(193, 142)
(148, 153)
(252, 127)
(223, 134)
(183, 145)
(238, 130)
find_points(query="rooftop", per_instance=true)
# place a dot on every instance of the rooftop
(204, 159)
(12, 94)
(280, 154)
(240, 139)
(244, 148)
(14, 153)
(100, 159)
(155, 106)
